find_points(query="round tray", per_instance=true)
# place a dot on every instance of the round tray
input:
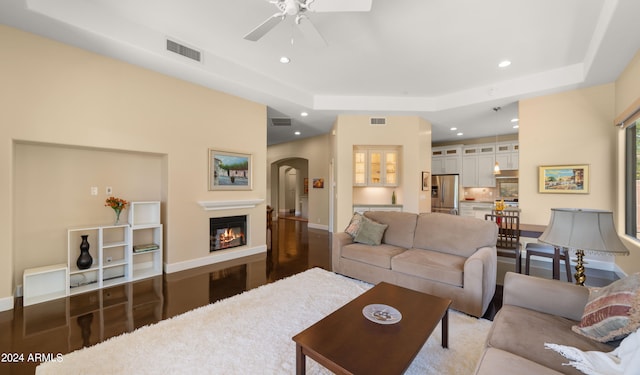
(381, 314)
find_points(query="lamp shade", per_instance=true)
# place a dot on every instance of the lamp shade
(585, 229)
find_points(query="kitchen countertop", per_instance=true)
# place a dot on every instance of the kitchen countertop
(375, 205)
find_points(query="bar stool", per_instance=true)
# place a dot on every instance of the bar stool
(547, 251)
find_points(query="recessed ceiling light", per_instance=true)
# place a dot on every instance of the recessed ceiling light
(285, 60)
(516, 126)
(453, 129)
(460, 133)
(504, 64)
(297, 133)
(304, 114)
(514, 120)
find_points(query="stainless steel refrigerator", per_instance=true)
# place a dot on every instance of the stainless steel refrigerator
(445, 195)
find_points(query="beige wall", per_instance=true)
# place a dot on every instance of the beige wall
(573, 127)
(316, 150)
(52, 185)
(412, 133)
(627, 97)
(55, 94)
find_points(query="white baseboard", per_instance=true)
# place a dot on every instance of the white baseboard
(6, 303)
(214, 257)
(318, 226)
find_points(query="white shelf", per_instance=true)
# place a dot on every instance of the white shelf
(44, 283)
(144, 213)
(115, 243)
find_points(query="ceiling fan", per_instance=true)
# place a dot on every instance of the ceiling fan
(298, 8)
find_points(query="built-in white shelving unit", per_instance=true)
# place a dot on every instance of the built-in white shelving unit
(121, 253)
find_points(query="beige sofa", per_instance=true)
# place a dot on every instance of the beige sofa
(535, 311)
(444, 255)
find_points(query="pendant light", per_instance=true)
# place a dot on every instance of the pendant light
(496, 167)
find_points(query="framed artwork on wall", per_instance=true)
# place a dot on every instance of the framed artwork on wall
(229, 170)
(425, 180)
(318, 183)
(563, 179)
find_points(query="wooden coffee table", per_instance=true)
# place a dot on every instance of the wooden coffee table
(346, 342)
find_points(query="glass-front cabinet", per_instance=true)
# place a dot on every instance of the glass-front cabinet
(375, 167)
(360, 168)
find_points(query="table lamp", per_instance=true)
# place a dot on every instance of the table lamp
(584, 230)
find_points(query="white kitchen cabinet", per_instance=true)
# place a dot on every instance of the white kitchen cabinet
(475, 209)
(360, 168)
(446, 160)
(507, 155)
(477, 166)
(376, 167)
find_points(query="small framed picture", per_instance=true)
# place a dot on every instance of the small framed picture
(229, 170)
(318, 183)
(563, 179)
(425, 180)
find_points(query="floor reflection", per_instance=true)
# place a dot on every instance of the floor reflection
(71, 323)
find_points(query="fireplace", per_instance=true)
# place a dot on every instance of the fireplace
(227, 232)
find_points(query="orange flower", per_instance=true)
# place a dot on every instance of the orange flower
(116, 203)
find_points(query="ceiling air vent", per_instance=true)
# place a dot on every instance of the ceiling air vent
(377, 121)
(281, 121)
(183, 50)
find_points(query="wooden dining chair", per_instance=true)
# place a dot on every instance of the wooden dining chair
(508, 244)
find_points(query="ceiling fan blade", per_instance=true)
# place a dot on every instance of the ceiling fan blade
(264, 27)
(309, 31)
(340, 5)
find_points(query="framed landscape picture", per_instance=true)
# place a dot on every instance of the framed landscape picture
(229, 170)
(564, 179)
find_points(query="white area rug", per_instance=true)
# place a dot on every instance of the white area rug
(251, 334)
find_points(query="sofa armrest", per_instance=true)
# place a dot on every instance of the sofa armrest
(544, 295)
(480, 277)
(339, 240)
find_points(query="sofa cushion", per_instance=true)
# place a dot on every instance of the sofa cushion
(354, 225)
(496, 361)
(612, 312)
(432, 265)
(453, 234)
(370, 232)
(524, 332)
(402, 226)
(379, 256)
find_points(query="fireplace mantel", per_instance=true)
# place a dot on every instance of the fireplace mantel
(229, 205)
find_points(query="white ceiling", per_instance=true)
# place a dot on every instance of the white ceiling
(437, 59)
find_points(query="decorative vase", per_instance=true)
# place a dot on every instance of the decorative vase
(393, 197)
(117, 210)
(84, 260)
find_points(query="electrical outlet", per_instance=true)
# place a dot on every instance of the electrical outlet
(109, 190)
(94, 190)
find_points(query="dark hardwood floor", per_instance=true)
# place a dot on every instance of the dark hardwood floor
(68, 324)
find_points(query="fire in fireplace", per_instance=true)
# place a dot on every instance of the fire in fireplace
(227, 232)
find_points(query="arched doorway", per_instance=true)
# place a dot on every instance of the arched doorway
(289, 187)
